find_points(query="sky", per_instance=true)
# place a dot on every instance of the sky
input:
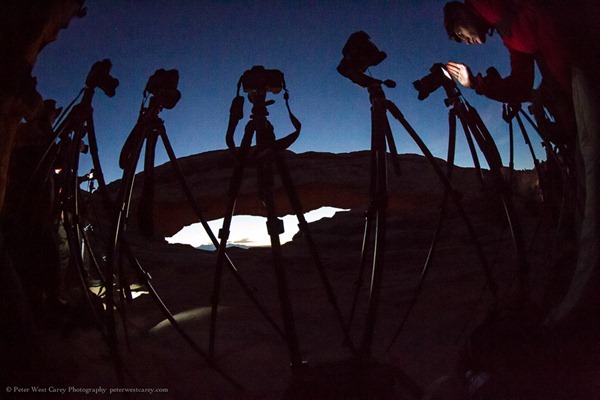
(212, 43)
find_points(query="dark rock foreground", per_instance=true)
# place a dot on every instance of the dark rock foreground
(443, 338)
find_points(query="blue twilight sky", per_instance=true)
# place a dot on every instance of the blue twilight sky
(212, 43)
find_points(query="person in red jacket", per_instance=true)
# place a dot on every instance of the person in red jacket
(530, 37)
(571, 82)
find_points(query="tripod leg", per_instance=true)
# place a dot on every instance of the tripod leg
(536, 162)
(369, 216)
(511, 162)
(72, 216)
(234, 188)
(538, 171)
(449, 190)
(443, 211)
(123, 200)
(145, 217)
(376, 278)
(91, 254)
(369, 213)
(209, 232)
(545, 141)
(99, 175)
(490, 151)
(185, 186)
(81, 273)
(275, 228)
(380, 130)
(567, 184)
(304, 228)
(455, 197)
(469, 137)
(146, 279)
(451, 142)
(120, 247)
(124, 293)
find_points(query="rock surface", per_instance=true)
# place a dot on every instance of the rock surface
(442, 338)
(320, 179)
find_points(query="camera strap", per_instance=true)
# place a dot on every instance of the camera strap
(236, 113)
(285, 142)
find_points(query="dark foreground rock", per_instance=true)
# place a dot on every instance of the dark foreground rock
(450, 333)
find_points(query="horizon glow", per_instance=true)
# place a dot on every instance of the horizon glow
(248, 230)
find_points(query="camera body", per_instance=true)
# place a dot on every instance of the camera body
(359, 54)
(163, 86)
(260, 79)
(438, 76)
(99, 76)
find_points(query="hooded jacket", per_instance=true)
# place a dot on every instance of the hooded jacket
(531, 38)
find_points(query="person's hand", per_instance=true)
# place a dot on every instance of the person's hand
(461, 73)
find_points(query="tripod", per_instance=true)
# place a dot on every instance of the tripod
(359, 54)
(514, 112)
(79, 122)
(268, 158)
(476, 132)
(376, 213)
(63, 155)
(553, 163)
(148, 129)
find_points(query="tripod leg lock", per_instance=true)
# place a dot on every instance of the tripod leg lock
(275, 226)
(223, 234)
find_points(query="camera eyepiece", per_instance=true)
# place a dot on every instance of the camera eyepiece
(438, 76)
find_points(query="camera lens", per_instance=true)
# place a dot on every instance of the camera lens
(438, 76)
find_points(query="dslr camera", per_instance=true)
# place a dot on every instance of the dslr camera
(359, 54)
(438, 76)
(163, 86)
(99, 76)
(260, 79)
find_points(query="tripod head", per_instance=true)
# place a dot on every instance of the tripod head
(257, 82)
(98, 77)
(162, 91)
(360, 53)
